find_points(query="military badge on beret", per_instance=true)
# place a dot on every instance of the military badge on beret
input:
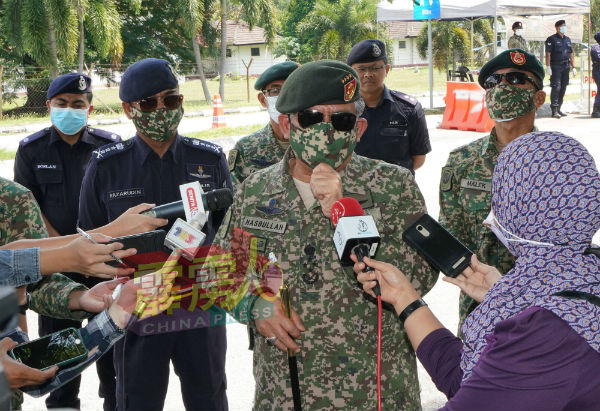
(349, 89)
(518, 58)
(376, 50)
(82, 86)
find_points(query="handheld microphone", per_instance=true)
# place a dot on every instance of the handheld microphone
(213, 200)
(355, 233)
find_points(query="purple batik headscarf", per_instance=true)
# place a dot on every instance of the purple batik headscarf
(545, 188)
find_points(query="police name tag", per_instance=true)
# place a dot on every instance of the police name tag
(256, 223)
(476, 184)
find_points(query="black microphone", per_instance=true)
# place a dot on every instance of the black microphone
(213, 200)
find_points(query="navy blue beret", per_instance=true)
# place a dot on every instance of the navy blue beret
(367, 51)
(69, 83)
(145, 78)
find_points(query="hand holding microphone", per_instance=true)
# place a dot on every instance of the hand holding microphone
(213, 200)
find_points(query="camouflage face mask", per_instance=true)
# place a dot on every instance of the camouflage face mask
(505, 102)
(159, 125)
(322, 143)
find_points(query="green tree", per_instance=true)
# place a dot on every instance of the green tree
(294, 14)
(332, 27)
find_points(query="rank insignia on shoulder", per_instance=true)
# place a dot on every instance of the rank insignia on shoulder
(261, 162)
(270, 209)
(446, 180)
(232, 159)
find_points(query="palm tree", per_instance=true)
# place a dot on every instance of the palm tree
(332, 29)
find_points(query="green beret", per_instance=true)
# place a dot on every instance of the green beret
(279, 71)
(512, 58)
(318, 82)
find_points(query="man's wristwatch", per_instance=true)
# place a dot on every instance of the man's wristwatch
(24, 307)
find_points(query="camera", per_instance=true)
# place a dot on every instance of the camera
(9, 308)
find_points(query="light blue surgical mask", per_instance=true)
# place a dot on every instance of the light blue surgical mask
(563, 29)
(68, 120)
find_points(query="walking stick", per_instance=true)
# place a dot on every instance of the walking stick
(286, 301)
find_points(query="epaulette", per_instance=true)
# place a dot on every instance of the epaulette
(203, 145)
(110, 150)
(404, 97)
(103, 134)
(35, 136)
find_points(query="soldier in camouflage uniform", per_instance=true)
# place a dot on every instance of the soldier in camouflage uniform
(266, 146)
(466, 182)
(287, 207)
(516, 41)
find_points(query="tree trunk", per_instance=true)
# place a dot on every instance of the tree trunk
(53, 51)
(200, 69)
(223, 49)
(81, 34)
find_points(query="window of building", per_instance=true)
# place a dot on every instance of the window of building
(402, 44)
(228, 53)
(255, 51)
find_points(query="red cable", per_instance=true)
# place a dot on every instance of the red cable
(379, 353)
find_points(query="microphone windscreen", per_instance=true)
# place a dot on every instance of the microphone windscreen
(217, 199)
(345, 207)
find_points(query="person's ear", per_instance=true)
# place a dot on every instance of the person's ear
(361, 126)
(48, 105)
(284, 125)
(539, 98)
(127, 109)
(262, 100)
(387, 69)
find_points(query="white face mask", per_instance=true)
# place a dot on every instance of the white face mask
(273, 113)
(493, 224)
(518, 32)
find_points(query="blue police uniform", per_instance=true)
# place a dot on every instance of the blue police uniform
(396, 130)
(118, 177)
(559, 49)
(53, 170)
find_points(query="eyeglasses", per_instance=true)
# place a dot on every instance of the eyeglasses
(171, 102)
(340, 121)
(374, 70)
(272, 92)
(512, 77)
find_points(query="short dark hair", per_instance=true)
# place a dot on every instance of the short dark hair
(517, 25)
(89, 95)
(559, 23)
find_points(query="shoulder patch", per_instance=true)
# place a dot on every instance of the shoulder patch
(201, 144)
(404, 98)
(35, 136)
(105, 135)
(446, 180)
(110, 150)
(232, 158)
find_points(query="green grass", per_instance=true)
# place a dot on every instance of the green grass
(7, 155)
(226, 132)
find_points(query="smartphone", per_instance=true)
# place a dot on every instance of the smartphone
(60, 348)
(437, 246)
(148, 242)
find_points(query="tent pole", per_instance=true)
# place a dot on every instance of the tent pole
(495, 36)
(472, 62)
(430, 58)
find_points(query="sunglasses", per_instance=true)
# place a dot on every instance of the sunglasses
(171, 102)
(512, 77)
(339, 121)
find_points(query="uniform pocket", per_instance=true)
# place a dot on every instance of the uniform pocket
(51, 183)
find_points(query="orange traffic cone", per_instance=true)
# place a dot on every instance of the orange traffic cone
(218, 114)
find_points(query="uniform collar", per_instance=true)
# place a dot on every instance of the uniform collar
(387, 95)
(55, 137)
(143, 150)
(488, 142)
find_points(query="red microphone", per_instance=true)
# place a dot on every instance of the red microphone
(345, 207)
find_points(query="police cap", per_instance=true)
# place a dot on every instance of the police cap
(367, 51)
(145, 78)
(70, 83)
(279, 71)
(318, 82)
(512, 58)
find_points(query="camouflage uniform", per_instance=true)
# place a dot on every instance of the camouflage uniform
(517, 42)
(465, 201)
(254, 152)
(337, 361)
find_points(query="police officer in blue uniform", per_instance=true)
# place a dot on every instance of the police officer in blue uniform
(51, 163)
(149, 168)
(559, 60)
(396, 131)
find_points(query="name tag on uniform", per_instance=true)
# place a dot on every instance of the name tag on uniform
(256, 223)
(130, 192)
(476, 184)
(47, 166)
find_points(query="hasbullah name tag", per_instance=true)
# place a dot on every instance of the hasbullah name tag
(476, 184)
(263, 224)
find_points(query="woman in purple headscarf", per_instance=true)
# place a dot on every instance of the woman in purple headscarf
(534, 341)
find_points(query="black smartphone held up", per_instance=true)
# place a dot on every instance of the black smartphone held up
(436, 245)
(148, 242)
(60, 348)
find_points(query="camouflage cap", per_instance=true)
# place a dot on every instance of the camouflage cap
(145, 78)
(279, 71)
(512, 58)
(318, 82)
(70, 83)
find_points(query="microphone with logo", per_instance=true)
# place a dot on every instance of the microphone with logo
(212, 201)
(355, 233)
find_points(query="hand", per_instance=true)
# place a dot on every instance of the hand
(574, 72)
(88, 258)
(396, 289)
(96, 298)
(134, 297)
(326, 186)
(17, 374)
(279, 325)
(132, 222)
(476, 280)
(548, 70)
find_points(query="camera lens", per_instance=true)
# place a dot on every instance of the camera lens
(419, 228)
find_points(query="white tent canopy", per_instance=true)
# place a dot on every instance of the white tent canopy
(452, 9)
